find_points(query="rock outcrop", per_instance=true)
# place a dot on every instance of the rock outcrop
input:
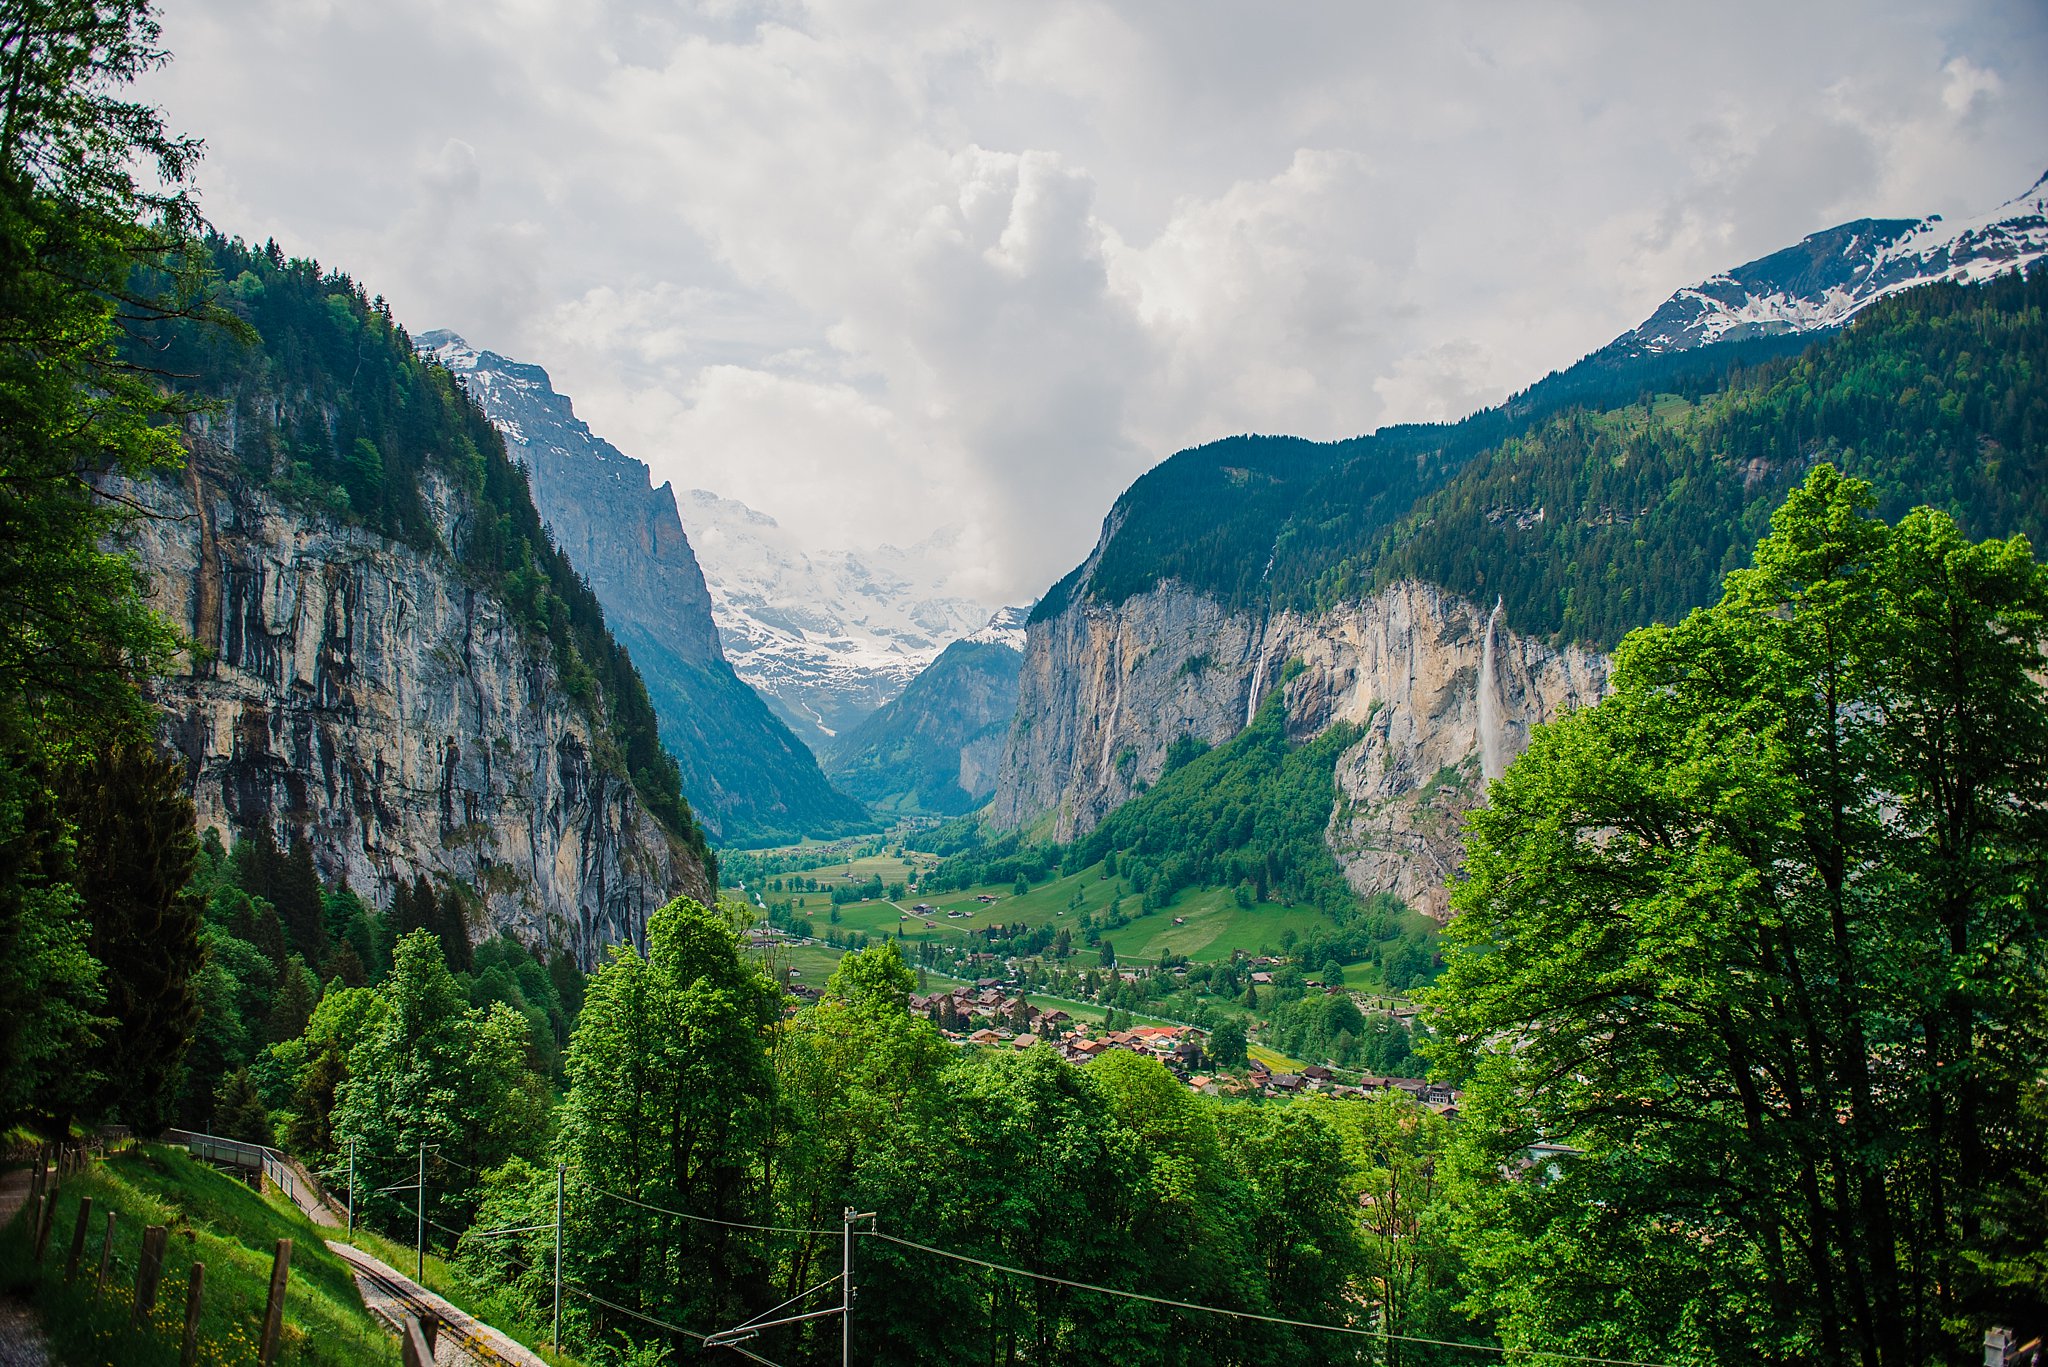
(1105, 692)
(360, 691)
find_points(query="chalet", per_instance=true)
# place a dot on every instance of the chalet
(923, 906)
(985, 898)
(1287, 1082)
(1054, 1017)
(983, 1036)
(1316, 1072)
(1262, 979)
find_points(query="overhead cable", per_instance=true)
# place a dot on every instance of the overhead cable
(1380, 1334)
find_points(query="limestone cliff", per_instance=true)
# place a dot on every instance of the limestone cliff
(1105, 691)
(362, 691)
(745, 774)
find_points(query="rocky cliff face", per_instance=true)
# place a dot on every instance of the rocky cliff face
(357, 690)
(747, 777)
(1104, 692)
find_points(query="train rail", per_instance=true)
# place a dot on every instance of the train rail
(452, 1328)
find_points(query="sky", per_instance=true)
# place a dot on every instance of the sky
(880, 266)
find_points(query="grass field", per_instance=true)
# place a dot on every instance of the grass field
(1213, 926)
(213, 1219)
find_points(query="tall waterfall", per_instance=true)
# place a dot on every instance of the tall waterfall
(1251, 707)
(1492, 753)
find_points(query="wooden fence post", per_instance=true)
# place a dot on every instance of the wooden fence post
(106, 1257)
(273, 1314)
(78, 1238)
(416, 1352)
(193, 1292)
(149, 1270)
(46, 1214)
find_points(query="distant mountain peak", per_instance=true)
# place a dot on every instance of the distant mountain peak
(1831, 276)
(1006, 628)
(826, 636)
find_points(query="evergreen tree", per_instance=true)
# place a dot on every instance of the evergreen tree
(300, 904)
(135, 854)
(297, 994)
(238, 1110)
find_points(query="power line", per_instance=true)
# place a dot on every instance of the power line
(705, 1219)
(1247, 1314)
(662, 1324)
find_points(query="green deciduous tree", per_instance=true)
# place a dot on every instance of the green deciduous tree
(1759, 940)
(670, 1094)
(437, 1072)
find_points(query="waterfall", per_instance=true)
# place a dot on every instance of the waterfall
(1492, 759)
(1251, 707)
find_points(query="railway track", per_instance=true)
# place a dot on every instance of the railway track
(458, 1339)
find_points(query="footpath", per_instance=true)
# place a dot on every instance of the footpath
(21, 1336)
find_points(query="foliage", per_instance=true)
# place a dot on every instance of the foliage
(670, 1100)
(434, 1080)
(93, 205)
(1251, 811)
(1758, 941)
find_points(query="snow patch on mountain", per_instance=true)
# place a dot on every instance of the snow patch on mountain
(1006, 628)
(1831, 276)
(827, 635)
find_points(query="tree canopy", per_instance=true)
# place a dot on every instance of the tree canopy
(1748, 980)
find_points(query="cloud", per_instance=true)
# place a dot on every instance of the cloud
(875, 267)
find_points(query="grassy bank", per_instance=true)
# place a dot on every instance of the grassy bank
(214, 1219)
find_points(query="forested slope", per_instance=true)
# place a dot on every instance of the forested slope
(1594, 523)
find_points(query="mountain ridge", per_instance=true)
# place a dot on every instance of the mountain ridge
(741, 767)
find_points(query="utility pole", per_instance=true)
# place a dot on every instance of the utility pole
(846, 1292)
(351, 1188)
(419, 1205)
(560, 1170)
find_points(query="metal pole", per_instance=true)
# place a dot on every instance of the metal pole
(846, 1293)
(560, 1170)
(419, 1205)
(351, 1188)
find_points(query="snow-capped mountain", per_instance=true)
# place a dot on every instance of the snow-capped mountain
(1006, 628)
(1831, 276)
(827, 636)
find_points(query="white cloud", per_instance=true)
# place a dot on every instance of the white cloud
(876, 266)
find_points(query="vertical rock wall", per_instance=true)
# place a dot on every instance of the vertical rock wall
(1105, 691)
(360, 692)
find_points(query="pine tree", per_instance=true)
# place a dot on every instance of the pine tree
(135, 853)
(297, 994)
(298, 900)
(238, 1110)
